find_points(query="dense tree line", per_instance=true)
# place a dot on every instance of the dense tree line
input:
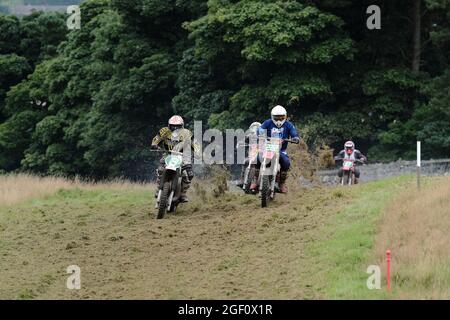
(87, 101)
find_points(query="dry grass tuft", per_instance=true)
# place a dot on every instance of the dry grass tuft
(325, 159)
(416, 228)
(305, 163)
(17, 188)
(214, 186)
(302, 164)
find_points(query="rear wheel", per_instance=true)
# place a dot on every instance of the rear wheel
(265, 191)
(162, 209)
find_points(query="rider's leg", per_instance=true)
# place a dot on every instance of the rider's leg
(340, 173)
(357, 174)
(285, 164)
(186, 181)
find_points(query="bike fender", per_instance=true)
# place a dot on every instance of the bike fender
(166, 176)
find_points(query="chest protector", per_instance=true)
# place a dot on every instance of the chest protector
(350, 156)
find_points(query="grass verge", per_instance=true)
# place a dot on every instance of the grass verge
(359, 234)
(416, 228)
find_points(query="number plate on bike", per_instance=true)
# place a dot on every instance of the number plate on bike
(348, 164)
(272, 147)
(174, 161)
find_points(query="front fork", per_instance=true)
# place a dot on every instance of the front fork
(247, 172)
(274, 174)
(351, 177)
(274, 178)
(175, 178)
(261, 174)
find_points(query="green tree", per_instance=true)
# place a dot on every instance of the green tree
(9, 34)
(40, 35)
(262, 53)
(108, 90)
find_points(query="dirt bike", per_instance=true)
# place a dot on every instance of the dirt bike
(169, 188)
(270, 169)
(348, 168)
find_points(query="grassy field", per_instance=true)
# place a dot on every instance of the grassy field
(417, 230)
(317, 244)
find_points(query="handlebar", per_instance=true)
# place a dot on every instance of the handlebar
(283, 140)
(164, 150)
(239, 145)
(354, 160)
(246, 145)
(291, 141)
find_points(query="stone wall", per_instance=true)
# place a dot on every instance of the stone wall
(378, 171)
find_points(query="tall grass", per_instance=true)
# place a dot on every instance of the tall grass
(17, 188)
(416, 228)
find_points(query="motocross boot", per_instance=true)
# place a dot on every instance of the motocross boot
(282, 184)
(184, 188)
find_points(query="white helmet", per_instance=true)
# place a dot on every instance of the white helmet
(279, 116)
(253, 129)
(349, 147)
(176, 122)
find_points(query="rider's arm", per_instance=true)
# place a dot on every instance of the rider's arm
(160, 137)
(294, 133)
(156, 141)
(360, 156)
(263, 130)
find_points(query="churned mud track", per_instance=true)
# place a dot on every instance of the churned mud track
(226, 247)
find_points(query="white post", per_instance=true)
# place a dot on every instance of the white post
(419, 163)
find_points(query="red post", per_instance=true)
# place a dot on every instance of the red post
(388, 261)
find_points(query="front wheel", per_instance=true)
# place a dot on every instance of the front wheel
(350, 178)
(162, 208)
(346, 178)
(265, 191)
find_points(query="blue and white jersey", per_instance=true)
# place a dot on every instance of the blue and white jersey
(287, 131)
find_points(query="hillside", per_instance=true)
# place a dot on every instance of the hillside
(316, 244)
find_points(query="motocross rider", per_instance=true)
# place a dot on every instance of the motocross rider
(278, 126)
(251, 137)
(185, 139)
(351, 153)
